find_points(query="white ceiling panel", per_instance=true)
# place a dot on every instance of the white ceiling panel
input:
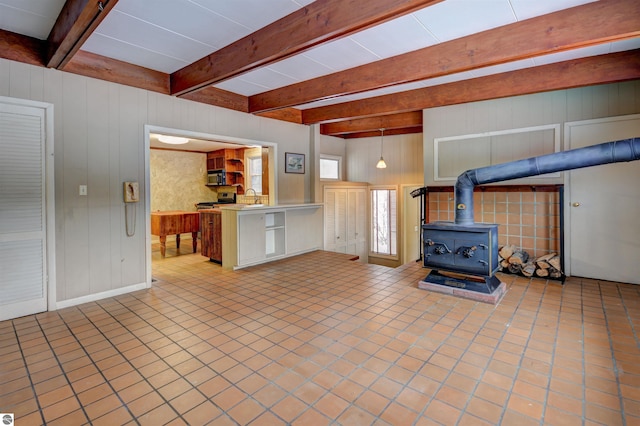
(300, 67)
(185, 18)
(621, 46)
(525, 9)
(341, 54)
(106, 46)
(240, 86)
(395, 37)
(132, 31)
(262, 12)
(34, 18)
(453, 19)
(268, 78)
(509, 66)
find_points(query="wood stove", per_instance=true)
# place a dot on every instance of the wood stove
(463, 255)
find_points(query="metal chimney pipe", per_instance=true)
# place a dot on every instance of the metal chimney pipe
(605, 153)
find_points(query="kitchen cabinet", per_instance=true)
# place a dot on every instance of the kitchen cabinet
(254, 235)
(211, 221)
(232, 161)
(215, 160)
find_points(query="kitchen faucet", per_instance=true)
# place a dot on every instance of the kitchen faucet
(255, 195)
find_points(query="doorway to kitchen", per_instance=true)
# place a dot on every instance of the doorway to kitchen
(190, 171)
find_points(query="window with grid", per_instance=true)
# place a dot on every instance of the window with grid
(384, 232)
(255, 174)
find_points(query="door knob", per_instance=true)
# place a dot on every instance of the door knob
(576, 204)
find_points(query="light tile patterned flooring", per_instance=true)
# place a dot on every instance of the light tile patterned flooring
(319, 340)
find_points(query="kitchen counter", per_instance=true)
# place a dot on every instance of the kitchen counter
(252, 234)
(250, 207)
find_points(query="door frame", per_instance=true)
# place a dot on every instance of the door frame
(567, 178)
(146, 136)
(408, 216)
(50, 195)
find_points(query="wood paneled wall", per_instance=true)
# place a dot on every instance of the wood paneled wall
(99, 131)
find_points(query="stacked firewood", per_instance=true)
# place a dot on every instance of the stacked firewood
(516, 261)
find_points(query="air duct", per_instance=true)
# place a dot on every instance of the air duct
(605, 153)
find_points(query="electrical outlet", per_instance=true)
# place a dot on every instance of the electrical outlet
(83, 190)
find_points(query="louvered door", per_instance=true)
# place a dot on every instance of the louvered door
(23, 255)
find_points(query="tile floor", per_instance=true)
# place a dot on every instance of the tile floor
(320, 340)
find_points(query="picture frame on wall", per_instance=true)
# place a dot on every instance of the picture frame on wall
(293, 163)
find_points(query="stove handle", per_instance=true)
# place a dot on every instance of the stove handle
(441, 249)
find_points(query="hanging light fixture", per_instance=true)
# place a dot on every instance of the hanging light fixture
(381, 164)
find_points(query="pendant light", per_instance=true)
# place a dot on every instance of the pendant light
(381, 164)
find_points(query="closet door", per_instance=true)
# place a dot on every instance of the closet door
(357, 223)
(23, 271)
(335, 220)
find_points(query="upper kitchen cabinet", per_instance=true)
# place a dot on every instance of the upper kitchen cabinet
(215, 160)
(232, 161)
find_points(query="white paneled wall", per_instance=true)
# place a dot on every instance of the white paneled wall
(525, 111)
(402, 153)
(99, 131)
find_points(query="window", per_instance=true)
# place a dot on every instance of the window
(255, 174)
(384, 232)
(330, 167)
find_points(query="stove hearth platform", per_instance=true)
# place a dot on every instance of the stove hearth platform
(479, 288)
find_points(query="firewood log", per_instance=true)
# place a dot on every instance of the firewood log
(515, 268)
(542, 260)
(554, 273)
(506, 251)
(542, 264)
(546, 257)
(555, 262)
(519, 258)
(542, 272)
(528, 269)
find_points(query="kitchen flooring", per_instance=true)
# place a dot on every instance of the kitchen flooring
(319, 340)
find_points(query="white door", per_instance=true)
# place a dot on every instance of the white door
(604, 205)
(23, 265)
(357, 223)
(335, 219)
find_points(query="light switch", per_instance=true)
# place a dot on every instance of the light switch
(83, 190)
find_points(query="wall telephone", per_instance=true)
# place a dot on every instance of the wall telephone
(131, 192)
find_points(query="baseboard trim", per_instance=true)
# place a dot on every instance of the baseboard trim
(60, 304)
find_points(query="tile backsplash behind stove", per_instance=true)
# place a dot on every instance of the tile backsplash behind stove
(529, 220)
(250, 199)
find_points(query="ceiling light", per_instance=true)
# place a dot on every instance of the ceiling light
(173, 140)
(381, 164)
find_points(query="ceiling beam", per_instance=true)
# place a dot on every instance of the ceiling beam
(75, 23)
(586, 25)
(21, 48)
(103, 68)
(221, 98)
(319, 22)
(392, 132)
(611, 68)
(291, 115)
(387, 122)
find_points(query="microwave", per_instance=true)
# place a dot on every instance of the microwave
(216, 177)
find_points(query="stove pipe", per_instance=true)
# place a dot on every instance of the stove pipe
(605, 153)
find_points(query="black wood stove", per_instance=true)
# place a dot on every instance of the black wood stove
(463, 255)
